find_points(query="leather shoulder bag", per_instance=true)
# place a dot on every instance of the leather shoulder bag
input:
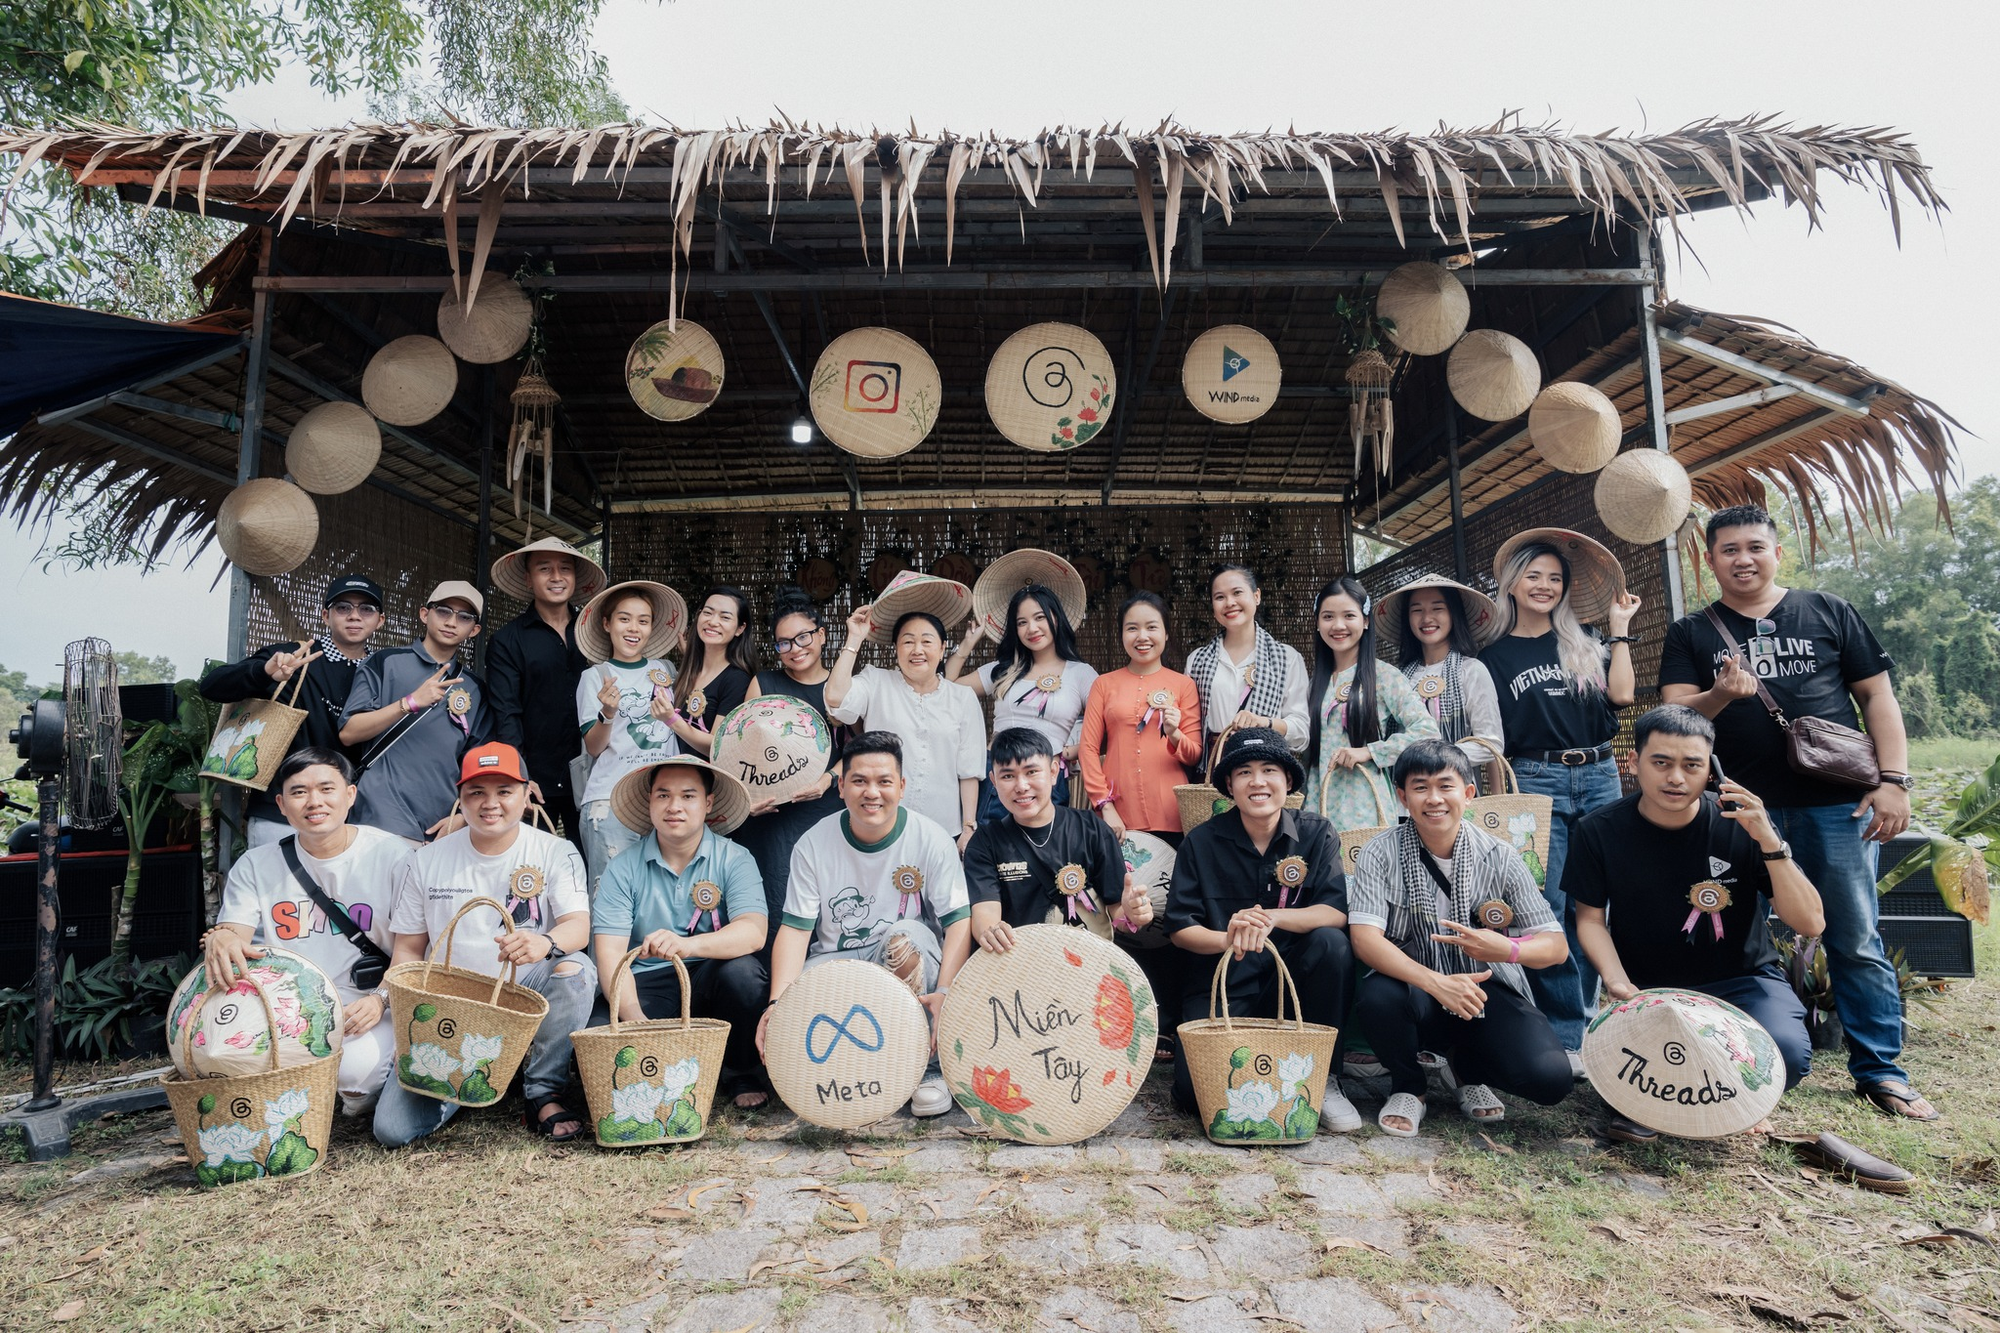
(1815, 747)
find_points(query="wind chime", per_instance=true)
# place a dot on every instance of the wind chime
(1371, 419)
(533, 433)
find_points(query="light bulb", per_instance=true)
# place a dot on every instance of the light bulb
(802, 431)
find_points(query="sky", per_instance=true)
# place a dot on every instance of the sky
(1921, 315)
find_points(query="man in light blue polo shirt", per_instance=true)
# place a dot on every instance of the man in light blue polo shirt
(687, 892)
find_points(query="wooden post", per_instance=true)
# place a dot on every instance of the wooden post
(1461, 565)
(482, 558)
(1656, 416)
(249, 450)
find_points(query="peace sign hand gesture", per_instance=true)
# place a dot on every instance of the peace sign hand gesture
(432, 690)
(280, 666)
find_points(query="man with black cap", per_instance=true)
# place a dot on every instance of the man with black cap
(352, 612)
(1259, 879)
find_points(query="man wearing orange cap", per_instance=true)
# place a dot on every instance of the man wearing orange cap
(540, 880)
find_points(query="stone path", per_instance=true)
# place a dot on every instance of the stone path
(918, 1227)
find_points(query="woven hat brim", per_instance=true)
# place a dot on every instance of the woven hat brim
(669, 619)
(1016, 570)
(510, 571)
(1389, 610)
(947, 599)
(1608, 1062)
(632, 798)
(1596, 580)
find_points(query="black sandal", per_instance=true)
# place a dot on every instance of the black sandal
(1895, 1098)
(547, 1125)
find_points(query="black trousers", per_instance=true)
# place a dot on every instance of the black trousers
(1511, 1049)
(1319, 960)
(732, 989)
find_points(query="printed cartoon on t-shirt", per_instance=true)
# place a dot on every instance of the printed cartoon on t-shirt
(850, 912)
(635, 715)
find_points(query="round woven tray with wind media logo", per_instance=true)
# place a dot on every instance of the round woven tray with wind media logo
(847, 1044)
(1048, 1042)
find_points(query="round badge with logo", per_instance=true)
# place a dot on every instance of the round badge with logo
(661, 677)
(458, 701)
(1430, 687)
(1049, 684)
(1494, 914)
(525, 882)
(1050, 387)
(1050, 1041)
(1160, 698)
(875, 392)
(1231, 374)
(1290, 872)
(674, 373)
(697, 703)
(847, 1044)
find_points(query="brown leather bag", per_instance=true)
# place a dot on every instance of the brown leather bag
(1815, 747)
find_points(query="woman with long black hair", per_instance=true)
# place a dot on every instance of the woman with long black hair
(1436, 625)
(1247, 678)
(1037, 679)
(1362, 717)
(720, 672)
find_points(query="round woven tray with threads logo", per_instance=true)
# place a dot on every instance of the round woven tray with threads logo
(847, 1044)
(674, 373)
(1048, 1042)
(1051, 387)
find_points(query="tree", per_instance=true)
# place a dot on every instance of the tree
(136, 670)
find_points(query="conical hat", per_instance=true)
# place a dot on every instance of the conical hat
(1231, 374)
(1493, 375)
(1574, 427)
(333, 448)
(510, 571)
(1596, 579)
(1480, 609)
(410, 380)
(674, 373)
(1425, 307)
(670, 617)
(497, 327)
(1050, 387)
(632, 798)
(267, 526)
(1017, 570)
(1684, 1063)
(776, 745)
(1149, 860)
(875, 392)
(948, 600)
(1644, 495)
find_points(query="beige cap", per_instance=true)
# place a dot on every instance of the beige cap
(460, 589)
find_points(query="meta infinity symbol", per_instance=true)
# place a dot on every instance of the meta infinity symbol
(841, 1028)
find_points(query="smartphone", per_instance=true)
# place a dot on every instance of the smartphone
(1716, 778)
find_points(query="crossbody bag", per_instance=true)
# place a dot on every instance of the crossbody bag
(1832, 752)
(366, 973)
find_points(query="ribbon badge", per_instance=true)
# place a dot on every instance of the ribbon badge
(1073, 884)
(1708, 898)
(909, 883)
(1046, 687)
(1342, 690)
(458, 706)
(524, 887)
(1430, 687)
(707, 899)
(1156, 706)
(697, 704)
(1249, 685)
(661, 677)
(1290, 874)
(1494, 914)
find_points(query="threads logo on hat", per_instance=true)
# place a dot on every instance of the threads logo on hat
(873, 386)
(1233, 362)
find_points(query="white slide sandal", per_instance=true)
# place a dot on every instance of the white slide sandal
(1404, 1106)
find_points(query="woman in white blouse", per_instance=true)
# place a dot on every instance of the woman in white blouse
(1247, 678)
(1037, 679)
(1438, 625)
(938, 721)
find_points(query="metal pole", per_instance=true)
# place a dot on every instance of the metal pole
(1656, 418)
(48, 907)
(249, 450)
(1459, 563)
(483, 555)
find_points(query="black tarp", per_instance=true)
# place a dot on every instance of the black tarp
(55, 356)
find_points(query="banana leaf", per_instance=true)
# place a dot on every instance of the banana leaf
(1960, 873)
(1979, 805)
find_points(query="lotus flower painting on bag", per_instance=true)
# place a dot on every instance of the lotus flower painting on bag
(656, 1103)
(1274, 1104)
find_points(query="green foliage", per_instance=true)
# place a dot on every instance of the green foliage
(162, 761)
(95, 1008)
(1961, 856)
(136, 670)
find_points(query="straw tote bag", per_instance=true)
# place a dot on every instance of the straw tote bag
(275, 1123)
(1519, 819)
(1257, 1080)
(652, 1081)
(1352, 840)
(461, 1035)
(255, 735)
(1202, 801)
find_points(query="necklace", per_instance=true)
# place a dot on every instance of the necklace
(1038, 846)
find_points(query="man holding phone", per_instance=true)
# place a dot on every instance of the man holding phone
(1674, 886)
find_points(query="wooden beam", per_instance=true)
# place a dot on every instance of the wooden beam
(1718, 356)
(964, 496)
(250, 448)
(126, 439)
(1715, 407)
(1776, 435)
(1653, 379)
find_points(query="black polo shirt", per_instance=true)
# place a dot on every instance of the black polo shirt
(531, 676)
(1016, 867)
(1219, 871)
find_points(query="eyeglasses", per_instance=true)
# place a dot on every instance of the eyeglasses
(799, 641)
(354, 608)
(450, 614)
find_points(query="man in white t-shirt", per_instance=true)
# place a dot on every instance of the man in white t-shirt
(355, 867)
(540, 880)
(879, 883)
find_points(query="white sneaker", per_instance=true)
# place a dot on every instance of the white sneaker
(1337, 1115)
(1575, 1065)
(931, 1098)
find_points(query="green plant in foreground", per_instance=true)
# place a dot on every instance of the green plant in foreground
(1958, 857)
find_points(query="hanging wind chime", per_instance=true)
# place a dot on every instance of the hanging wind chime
(1371, 419)
(533, 433)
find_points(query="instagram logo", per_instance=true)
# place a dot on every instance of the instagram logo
(873, 386)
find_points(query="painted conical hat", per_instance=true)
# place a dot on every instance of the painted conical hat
(1149, 860)
(510, 571)
(670, 617)
(1050, 387)
(777, 746)
(1482, 615)
(410, 380)
(1424, 306)
(1493, 375)
(875, 392)
(847, 1044)
(1644, 495)
(674, 373)
(1596, 579)
(947, 599)
(333, 448)
(1231, 374)
(632, 798)
(1683, 1063)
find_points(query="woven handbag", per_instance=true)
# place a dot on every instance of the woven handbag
(461, 1035)
(1520, 819)
(1258, 1081)
(652, 1081)
(274, 1123)
(254, 736)
(1352, 840)
(1201, 801)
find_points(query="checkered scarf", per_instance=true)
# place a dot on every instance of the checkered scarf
(1448, 708)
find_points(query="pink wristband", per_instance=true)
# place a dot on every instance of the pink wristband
(1514, 944)
(409, 707)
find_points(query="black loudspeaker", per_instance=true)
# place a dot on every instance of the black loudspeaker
(1936, 941)
(166, 919)
(147, 703)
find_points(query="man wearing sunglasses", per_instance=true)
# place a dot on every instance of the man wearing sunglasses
(352, 613)
(417, 709)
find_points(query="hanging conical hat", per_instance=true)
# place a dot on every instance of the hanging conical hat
(1596, 579)
(497, 327)
(1492, 374)
(267, 526)
(1017, 570)
(1574, 427)
(632, 798)
(1231, 374)
(675, 373)
(1684, 1063)
(1643, 495)
(1425, 307)
(510, 571)
(947, 599)
(875, 393)
(410, 380)
(670, 617)
(1050, 387)
(1482, 615)
(333, 448)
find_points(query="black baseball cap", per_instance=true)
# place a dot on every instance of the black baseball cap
(347, 583)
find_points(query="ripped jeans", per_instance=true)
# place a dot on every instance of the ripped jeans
(604, 836)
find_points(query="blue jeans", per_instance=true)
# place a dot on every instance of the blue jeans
(1827, 841)
(1767, 997)
(1567, 992)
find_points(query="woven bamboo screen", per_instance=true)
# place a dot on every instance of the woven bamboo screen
(1294, 548)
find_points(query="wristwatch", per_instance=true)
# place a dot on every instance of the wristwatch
(1784, 852)
(1903, 780)
(555, 950)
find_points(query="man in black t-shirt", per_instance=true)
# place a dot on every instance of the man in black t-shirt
(1675, 887)
(1816, 657)
(1043, 855)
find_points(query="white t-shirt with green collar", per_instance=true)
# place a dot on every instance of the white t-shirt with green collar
(849, 893)
(638, 739)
